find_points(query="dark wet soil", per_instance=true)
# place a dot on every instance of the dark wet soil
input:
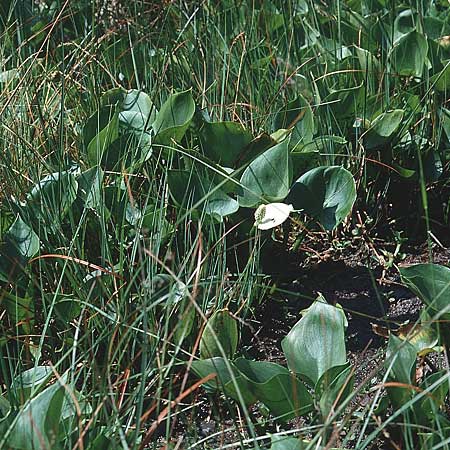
(371, 295)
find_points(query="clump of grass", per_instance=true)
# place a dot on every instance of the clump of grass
(117, 299)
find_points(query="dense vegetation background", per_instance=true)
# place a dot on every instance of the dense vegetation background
(142, 302)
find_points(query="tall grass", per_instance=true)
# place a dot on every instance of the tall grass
(135, 283)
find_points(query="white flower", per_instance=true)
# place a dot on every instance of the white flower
(271, 215)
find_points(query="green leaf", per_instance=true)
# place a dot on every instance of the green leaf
(408, 56)
(220, 335)
(223, 142)
(431, 283)
(188, 188)
(228, 377)
(441, 80)
(269, 383)
(53, 196)
(280, 442)
(422, 336)
(8, 75)
(325, 193)
(283, 394)
(268, 177)
(138, 111)
(174, 118)
(103, 128)
(37, 424)
(400, 361)
(383, 128)
(316, 342)
(67, 308)
(20, 309)
(368, 62)
(402, 355)
(89, 187)
(296, 115)
(333, 387)
(30, 381)
(21, 242)
(99, 121)
(429, 406)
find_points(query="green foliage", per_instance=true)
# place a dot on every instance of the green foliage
(220, 335)
(307, 349)
(174, 118)
(267, 177)
(136, 146)
(325, 193)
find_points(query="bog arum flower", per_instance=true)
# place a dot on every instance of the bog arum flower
(271, 215)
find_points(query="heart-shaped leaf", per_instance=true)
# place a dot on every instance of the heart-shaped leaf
(409, 54)
(325, 193)
(30, 381)
(100, 130)
(220, 335)
(284, 394)
(400, 361)
(316, 342)
(174, 118)
(52, 197)
(333, 387)
(37, 424)
(383, 128)
(431, 283)
(228, 378)
(20, 241)
(268, 177)
(269, 383)
(89, 187)
(223, 142)
(138, 111)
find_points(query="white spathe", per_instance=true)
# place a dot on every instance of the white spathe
(271, 215)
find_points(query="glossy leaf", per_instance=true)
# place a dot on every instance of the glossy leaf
(174, 118)
(431, 283)
(316, 342)
(89, 187)
(100, 130)
(20, 241)
(283, 442)
(53, 196)
(272, 384)
(422, 336)
(325, 193)
(428, 407)
(38, 422)
(30, 381)
(224, 142)
(409, 54)
(229, 380)
(268, 177)
(333, 387)
(283, 394)
(383, 128)
(400, 361)
(138, 111)
(20, 310)
(220, 335)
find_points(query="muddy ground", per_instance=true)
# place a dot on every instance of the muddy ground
(374, 302)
